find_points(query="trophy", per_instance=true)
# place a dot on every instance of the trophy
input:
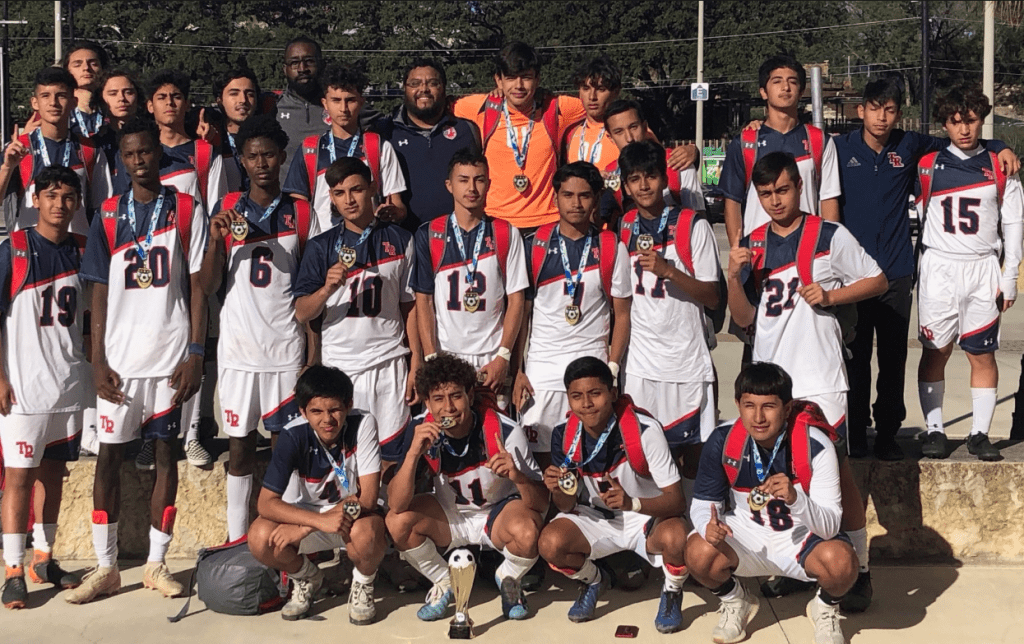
(462, 569)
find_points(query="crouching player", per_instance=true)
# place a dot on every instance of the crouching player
(41, 399)
(758, 511)
(487, 487)
(617, 489)
(320, 493)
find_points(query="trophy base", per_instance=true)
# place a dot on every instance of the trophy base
(460, 630)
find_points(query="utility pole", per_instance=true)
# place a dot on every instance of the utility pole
(926, 99)
(988, 67)
(700, 78)
(58, 52)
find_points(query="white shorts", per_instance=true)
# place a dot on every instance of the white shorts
(146, 412)
(26, 439)
(469, 526)
(381, 391)
(610, 532)
(545, 411)
(957, 299)
(246, 397)
(678, 406)
(834, 406)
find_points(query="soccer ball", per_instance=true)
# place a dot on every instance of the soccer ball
(461, 558)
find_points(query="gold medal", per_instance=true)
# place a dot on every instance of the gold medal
(352, 508)
(521, 182)
(446, 422)
(568, 483)
(645, 242)
(239, 229)
(613, 182)
(481, 377)
(347, 256)
(757, 499)
(471, 300)
(144, 277)
(573, 315)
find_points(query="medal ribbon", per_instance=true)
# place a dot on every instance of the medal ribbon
(143, 248)
(594, 149)
(43, 152)
(457, 231)
(238, 162)
(270, 209)
(339, 471)
(362, 238)
(88, 130)
(762, 474)
(511, 136)
(661, 224)
(351, 146)
(572, 283)
(442, 439)
(567, 461)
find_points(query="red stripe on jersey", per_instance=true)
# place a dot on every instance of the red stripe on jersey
(278, 408)
(176, 173)
(141, 239)
(593, 267)
(51, 279)
(784, 267)
(355, 271)
(982, 184)
(250, 240)
(595, 475)
(467, 469)
(980, 330)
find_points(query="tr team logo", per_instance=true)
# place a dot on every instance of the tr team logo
(895, 160)
(231, 418)
(25, 449)
(106, 424)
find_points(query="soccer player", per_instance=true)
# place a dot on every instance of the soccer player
(578, 304)
(148, 329)
(320, 492)
(616, 487)
(474, 264)
(675, 275)
(256, 244)
(487, 488)
(237, 94)
(761, 512)
(118, 98)
(52, 143)
(971, 211)
(782, 80)
(43, 377)
(354, 280)
(343, 100)
(599, 82)
(784, 280)
(86, 61)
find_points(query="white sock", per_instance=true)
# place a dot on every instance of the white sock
(983, 404)
(361, 578)
(239, 491)
(43, 535)
(14, 549)
(588, 574)
(930, 395)
(515, 566)
(673, 582)
(737, 591)
(104, 541)
(190, 414)
(427, 561)
(307, 570)
(859, 538)
(158, 544)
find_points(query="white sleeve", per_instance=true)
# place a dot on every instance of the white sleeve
(217, 182)
(691, 193)
(700, 514)
(659, 456)
(200, 231)
(1011, 214)
(830, 186)
(100, 185)
(704, 249)
(391, 176)
(516, 278)
(622, 282)
(517, 445)
(849, 261)
(408, 266)
(821, 510)
(367, 447)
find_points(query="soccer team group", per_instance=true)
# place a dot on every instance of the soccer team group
(531, 272)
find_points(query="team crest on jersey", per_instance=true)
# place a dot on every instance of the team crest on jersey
(327, 118)
(389, 248)
(895, 160)
(988, 174)
(449, 133)
(289, 221)
(597, 254)
(170, 217)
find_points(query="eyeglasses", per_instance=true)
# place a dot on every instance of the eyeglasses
(295, 63)
(416, 83)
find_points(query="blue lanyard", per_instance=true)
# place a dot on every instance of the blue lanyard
(270, 209)
(594, 149)
(597, 448)
(143, 248)
(238, 162)
(88, 130)
(570, 282)
(351, 146)
(510, 136)
(661, 224)
(43, 152)
(457, 233)
(339, 471)
(443, 440)
(756, 455)
(362, 238)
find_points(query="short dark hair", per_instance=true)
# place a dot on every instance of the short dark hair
(305, 40)
(646, 157)
(770, 167)
(139, 125)
(516, 58)
(261, 126)
(467, 156)
(781, 62)
(601, 69)
(344, 168)
(582, 170)
(168, 77)
(58, 175)
(764, 379)
(588, 367)
(97, 97)
(343, 77)
(621, 105)
(224, 80)
(443, 370)
(883, 90)
(425, 62)
(320, 381)
(92, 46)
(962, 100)
(51, 76)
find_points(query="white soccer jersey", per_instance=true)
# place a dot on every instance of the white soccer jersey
(148, 328)
(554, 343)
(667, 335)
(42, 325)
(258, 330)
(804, 340)
(691, 192)
(363, 325)
(459, 330)
(178, 171)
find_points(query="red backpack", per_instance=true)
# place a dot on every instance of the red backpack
(816, 138)
(27, 167)
(502, 232)
(204, 160)
(606, 247)
(675, 185)
(303, 220)
(806, 248)
(492, 431)
(926, 170)
(629, 427)
(493, 114)
(183, 209)
(372, 145)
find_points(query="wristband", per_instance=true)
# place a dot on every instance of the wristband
(429, 357)
(614, 366)
(196, 349)
(636, 505)
(504, 353)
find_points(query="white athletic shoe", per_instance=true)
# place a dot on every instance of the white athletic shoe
(361, 609)
(304, 592)
(826, 622)
(733, 617)
(197, 455)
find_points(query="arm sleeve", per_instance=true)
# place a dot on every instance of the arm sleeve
(282, 464)
(394, 449)
(570, 112)
(659, 456)
(408, 266)
(217, 181)
(392, 180)
(422, 278)
(100, 184)
(712, 485)
(96, 260)
(849, 261)
(704, 249)
(197, 244)
(517, 445)
(468, 107)
(821, 510)
(516, 278)
(691, 193)
(297, 182)
(1012, 217)
(312, 270)
(830, 185)
(733, 180)
(622, 282)
(368, 449)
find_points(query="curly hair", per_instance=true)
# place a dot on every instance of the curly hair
(343, 77)
(962, 100)
(443, 370)
(262, 126)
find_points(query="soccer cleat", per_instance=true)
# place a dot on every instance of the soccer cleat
(887, 449)
(670, 613)
(361, 609)
(304, 592)
(586, 604)
(780, 586)
(146, 459)
(858, 598)
(825, 619)
(513, 601)
(158, 577)
(97, 582)
(933, 445)
(734, 616)
(439, 599)
(197, 455)
(979, 445)
(46, 570)
(15, 592)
